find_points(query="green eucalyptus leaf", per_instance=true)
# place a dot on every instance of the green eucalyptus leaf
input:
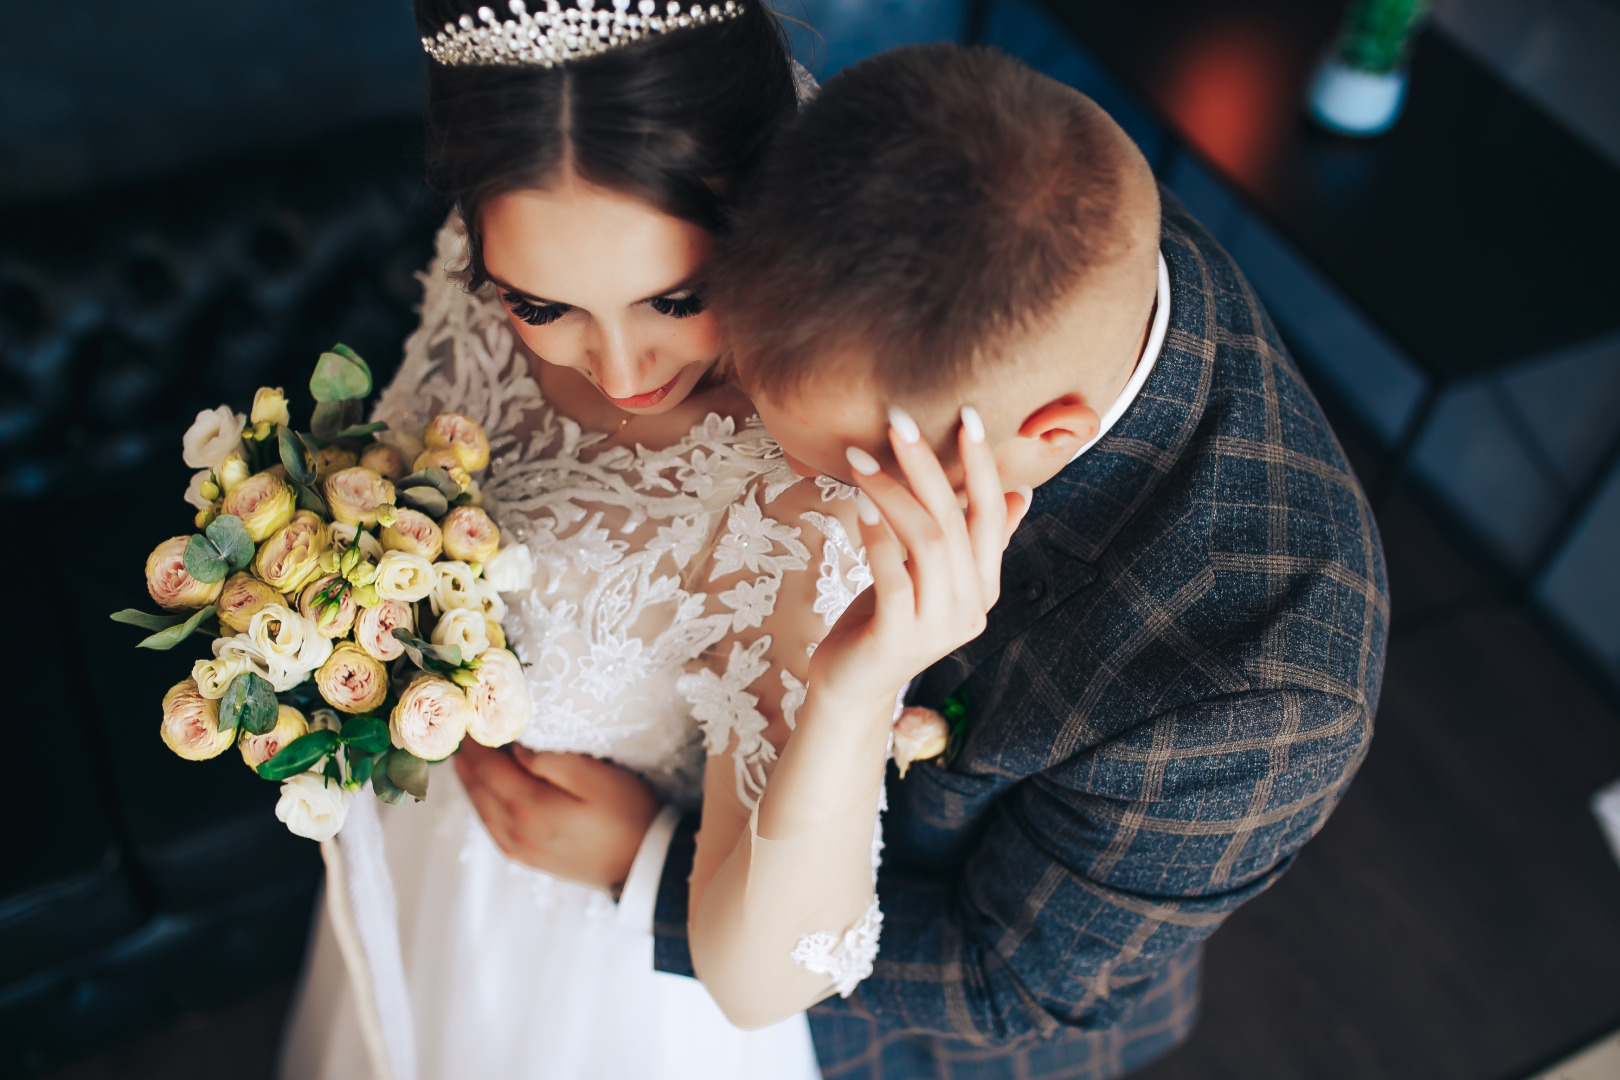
(360, 431)
(309, 499)
(204, 561)
(365, 733)
(361, 768)
(425, 654)
(250, 700)
(134, 617)
(230, 537)
(327, 419)
(427, 500)
(292, 456)
(298, 755)
(409, 772)
(385, 789)
(344, 351)
(174, 635)
(340, 377)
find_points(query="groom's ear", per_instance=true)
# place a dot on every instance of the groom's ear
(1061, 427)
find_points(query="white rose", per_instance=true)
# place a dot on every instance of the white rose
(456, 587)
(194, 494)
(463, 628)
(312, 806)
(325, 720)
(212, 437)
(290, 644)
(490, 599)
(500, 700)
(511, 570)
(402, 575)
(214, 677)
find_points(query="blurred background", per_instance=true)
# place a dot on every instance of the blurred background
(196, 197)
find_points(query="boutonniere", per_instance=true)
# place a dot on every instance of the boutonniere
(921, 733)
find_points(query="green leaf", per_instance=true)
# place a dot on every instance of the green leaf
(327, 419)
(343, 350)
(309, 499)
(425, 654)
(361, 768)
(427, 500)
(250, 701)
(298, 755)
(360, 431)
(365, 733)
(230, 537)
(293, 457)
(340, 376)
(434, 477)
(409, 772)
(332, 770)
(174, 635)
(133, 617)
(385, 789)
(204, 561)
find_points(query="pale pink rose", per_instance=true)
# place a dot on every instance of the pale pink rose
(243, 597)
(332, 620)
(191, 723)
(168, 582)
(919, 734)
(258, 749)
(373, 630)
(446, 459)
(470, 535)
(356, 494)
(461, 435)
(352, 681)
(386, 461)
(263, 502)
(415, 532)
(430, 719)
(292, 556)
(500, 699)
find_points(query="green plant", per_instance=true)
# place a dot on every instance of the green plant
(1377, 33)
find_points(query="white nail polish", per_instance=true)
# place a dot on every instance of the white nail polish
(972, 423)
(867, 509)
(1028, 494)
(861, 461)
(903, 425)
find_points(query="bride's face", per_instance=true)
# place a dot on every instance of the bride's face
(607, 285)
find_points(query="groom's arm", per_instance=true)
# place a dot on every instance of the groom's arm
(1094, 875)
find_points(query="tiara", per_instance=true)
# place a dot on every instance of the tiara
(558, 35)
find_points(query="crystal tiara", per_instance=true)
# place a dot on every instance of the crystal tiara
(558, 34)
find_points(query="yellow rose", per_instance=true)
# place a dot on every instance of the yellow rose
(292, 556)
(430, 718)
(270, 407)
(191, 724)
(470, 535)
(402, 575)
(332, 620)
(415, 532)
(919, 734)
(329, 459)
(447, 460)
(263, 502)
(356, 494)
(374, 629)
(463, 628)
(232, 471)
(242, 596)
(500, 700)
(461, 434)
(258, 749)
(169, 583)
(386, 461)
(351, 681)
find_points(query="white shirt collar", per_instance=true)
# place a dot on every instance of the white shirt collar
(1144, 366)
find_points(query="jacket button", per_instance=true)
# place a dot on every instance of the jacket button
(1034, 590)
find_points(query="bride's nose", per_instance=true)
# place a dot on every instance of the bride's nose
(616, 361)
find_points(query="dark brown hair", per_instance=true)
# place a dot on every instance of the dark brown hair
(679, 119)
(931, 203)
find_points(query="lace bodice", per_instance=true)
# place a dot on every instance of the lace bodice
(650, 560)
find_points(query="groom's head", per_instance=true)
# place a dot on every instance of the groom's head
(942, 226)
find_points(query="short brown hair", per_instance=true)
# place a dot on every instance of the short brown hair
(929, 205)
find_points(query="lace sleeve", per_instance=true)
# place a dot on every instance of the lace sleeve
(463, 357)
(783, 586)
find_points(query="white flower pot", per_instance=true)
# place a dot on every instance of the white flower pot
(1355, 102)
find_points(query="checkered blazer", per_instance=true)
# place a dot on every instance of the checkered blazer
(1169, 699)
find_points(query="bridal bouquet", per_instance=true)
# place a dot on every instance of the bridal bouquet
(352, 589)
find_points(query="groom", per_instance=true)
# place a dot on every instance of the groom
(1180, 677)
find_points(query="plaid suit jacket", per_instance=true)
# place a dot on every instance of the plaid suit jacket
(1169, 699)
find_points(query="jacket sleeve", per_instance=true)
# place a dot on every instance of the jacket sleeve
(1093, 875)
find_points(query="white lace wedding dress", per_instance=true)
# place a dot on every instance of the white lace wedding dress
(645, 639)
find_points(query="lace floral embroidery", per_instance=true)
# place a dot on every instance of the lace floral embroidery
(847, 959)
(836, 590)
(722, 707)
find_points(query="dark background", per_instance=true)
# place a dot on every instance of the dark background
(197, 197)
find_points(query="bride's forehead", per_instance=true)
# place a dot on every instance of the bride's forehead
(582, 237)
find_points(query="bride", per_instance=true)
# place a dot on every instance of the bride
(686, 579)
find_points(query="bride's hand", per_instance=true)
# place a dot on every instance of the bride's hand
(936, 570)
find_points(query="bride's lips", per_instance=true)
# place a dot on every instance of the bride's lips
(649, 399)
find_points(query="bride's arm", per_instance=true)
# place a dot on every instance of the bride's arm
(782, 904)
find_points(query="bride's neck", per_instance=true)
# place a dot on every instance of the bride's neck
(574, 396)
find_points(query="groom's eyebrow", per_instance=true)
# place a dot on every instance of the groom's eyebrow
(691, 281)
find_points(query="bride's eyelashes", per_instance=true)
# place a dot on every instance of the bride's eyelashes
(683, 305)
(532, 313)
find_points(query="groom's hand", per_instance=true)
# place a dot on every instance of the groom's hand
(570, 815)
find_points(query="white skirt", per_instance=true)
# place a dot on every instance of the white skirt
(516, 975)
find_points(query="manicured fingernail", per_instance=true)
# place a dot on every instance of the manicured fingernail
(861, 461)
(903, 425)
(1028, 496)
(972, 424)
(867, 509)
